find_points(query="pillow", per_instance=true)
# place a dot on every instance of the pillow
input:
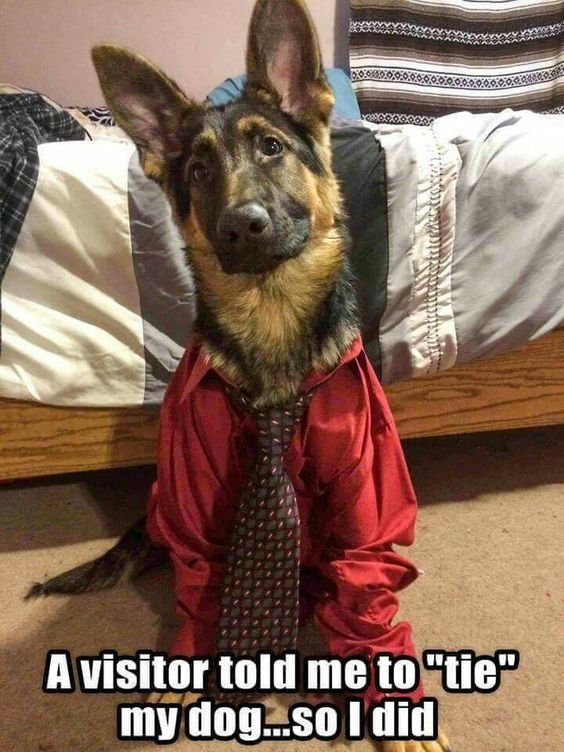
(346, 105)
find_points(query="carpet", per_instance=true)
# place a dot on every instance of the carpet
(489, 542)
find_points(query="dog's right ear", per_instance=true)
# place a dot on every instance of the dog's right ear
(149, 106)
(284, 61)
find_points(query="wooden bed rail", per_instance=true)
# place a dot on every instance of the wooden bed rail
(519, 389)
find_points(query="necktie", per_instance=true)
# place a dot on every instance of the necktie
(259, 607)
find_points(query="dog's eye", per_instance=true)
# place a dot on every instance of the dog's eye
(199, 172)
(271, 146)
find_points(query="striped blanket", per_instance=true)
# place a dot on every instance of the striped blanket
(415, 60)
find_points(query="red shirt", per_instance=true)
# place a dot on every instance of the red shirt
(354, 494)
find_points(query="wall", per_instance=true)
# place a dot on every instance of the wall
(44, 44)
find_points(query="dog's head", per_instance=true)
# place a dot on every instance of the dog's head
(250, 183)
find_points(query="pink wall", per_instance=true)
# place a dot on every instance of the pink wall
(44, 44)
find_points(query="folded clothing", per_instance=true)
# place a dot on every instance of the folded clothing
(26, 120)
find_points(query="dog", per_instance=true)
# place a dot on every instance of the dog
(254, 195)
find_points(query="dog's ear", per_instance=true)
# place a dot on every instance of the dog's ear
(148, 105)
(284, 60)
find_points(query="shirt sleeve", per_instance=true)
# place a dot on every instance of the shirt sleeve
(192, 508)
(196, 583)
(372, 508)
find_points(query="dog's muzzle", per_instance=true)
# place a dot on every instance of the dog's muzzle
(248, 241)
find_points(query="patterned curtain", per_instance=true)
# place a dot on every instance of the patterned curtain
(414, 60)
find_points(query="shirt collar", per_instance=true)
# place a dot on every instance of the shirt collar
(199, 365)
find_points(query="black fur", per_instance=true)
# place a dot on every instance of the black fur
(134, 553)
(131, 556)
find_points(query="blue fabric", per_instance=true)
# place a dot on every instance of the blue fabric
(346, 105)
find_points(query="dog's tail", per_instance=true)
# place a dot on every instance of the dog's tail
(132, 555)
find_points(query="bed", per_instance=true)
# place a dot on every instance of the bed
(523, 388)
(460, 279)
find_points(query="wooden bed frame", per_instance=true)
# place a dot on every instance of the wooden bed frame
(520, 389)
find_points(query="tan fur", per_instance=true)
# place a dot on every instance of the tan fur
(153, 167)
(320, 96)
(274, 313)
(272, 316)
(206, 138)
(251, 123)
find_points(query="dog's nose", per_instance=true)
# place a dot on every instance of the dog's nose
(244, 223)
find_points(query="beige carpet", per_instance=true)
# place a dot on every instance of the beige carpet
(489, 540)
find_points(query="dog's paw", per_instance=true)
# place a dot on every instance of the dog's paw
(440, 745)
(172, 698)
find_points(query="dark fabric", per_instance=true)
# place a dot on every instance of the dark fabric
(97, 115)
(359, 163)
(26, 120)
(353, 492)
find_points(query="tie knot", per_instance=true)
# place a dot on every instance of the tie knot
(277, 425)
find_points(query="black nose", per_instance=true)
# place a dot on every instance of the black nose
(244, 223)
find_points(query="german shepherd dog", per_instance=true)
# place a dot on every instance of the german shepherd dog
(253, 192)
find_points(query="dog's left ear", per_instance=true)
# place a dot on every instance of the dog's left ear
(147, 104)
(284, 61)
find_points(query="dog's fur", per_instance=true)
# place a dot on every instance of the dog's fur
(270, 311)
(273, 305)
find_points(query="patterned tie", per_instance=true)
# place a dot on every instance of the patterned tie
(259, 608)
